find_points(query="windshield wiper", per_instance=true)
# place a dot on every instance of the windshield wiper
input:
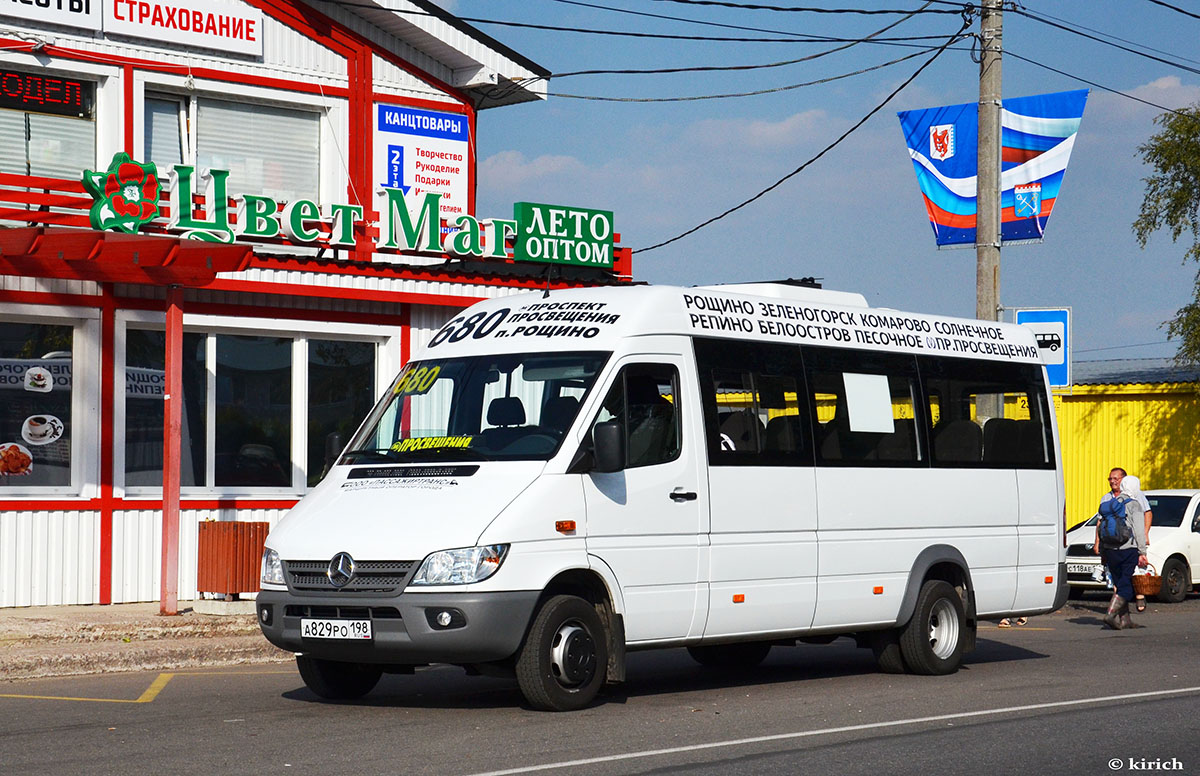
(378, 454)
(462, 453)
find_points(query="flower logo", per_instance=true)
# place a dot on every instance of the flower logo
(126, 194)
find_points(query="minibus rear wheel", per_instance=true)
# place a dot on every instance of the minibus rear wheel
(336, 681)
(561, 665)
(932, 642)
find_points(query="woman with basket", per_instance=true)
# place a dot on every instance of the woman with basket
(1121, 534)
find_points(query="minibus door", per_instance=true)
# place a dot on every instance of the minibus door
(647, 520)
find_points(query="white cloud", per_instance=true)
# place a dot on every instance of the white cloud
(510, 167)
(757, 134)
(1168, 92)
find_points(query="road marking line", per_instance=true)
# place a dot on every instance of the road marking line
(1019, 627)
(149, 695)
(829, 731)
(155, 688)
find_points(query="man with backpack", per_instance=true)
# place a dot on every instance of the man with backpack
(1114, 481)
(1121, 541)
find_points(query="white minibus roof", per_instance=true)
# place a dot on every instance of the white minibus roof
(599, 318)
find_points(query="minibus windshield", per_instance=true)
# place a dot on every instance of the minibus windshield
(515, 406)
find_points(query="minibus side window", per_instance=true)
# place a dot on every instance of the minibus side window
(865, 405)
(755, 411)
(645, 399)
(986, 414)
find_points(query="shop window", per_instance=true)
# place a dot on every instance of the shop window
(144, 390)
(341, 391)
(47, 128)
(240, 422)
(254, 411)
(46, 146)
(165, 128)
(268, 150)
(36, 419)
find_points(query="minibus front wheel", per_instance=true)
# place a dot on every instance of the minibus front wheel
(336, 681)
(561, 666)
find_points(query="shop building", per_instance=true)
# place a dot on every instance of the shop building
(1142, 414)
(281, 191)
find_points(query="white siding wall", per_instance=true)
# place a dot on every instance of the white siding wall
(285, 52)
(47, 286)
(424, 323)
(48, 558)
(137, 549)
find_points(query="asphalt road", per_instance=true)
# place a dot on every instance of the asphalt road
(1059, 696)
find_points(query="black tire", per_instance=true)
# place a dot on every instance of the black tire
(731, 657)
(1176, 581)
(932, 641)
(1074, 593)
(562, 664)
(337, 681)
(885, 645)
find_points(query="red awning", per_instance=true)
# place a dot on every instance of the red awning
(115, 257)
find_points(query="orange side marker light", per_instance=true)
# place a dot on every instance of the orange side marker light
(564, 526)
(1049, 580)
(878, 590)
(738, 598)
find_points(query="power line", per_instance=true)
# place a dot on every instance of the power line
(741, 27)
(1072, 30)
(500, 92)
(1115, 37)
(821, 153)
(794, 37)
(791, 9)
(1122, 347)
(1081, 79)
(719, 68)
(744, 94)
(1175, 8)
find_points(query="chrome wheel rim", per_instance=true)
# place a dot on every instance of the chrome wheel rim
(943, 629)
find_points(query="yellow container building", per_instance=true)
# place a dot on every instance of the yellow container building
(1142, 415)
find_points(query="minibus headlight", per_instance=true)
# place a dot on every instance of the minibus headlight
(272, 568)
(460, 567)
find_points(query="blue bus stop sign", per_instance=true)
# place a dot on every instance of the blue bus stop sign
(1052, 328)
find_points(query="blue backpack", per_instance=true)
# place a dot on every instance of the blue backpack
(1114, 525)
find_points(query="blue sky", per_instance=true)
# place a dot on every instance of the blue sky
(854, 218)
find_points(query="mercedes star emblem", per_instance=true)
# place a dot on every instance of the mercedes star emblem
(340, 570)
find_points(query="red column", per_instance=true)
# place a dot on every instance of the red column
(172, 433)
(108, 435)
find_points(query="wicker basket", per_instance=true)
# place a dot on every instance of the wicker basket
(1147, 584)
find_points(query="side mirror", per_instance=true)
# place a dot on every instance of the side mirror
(608, 442)
(333, 447)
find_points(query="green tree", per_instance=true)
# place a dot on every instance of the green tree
(1172, 200)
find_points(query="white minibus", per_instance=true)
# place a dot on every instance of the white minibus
(561, 478)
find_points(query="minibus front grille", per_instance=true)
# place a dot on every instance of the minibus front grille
(342, 612)
(377, 577)
(1081, 550)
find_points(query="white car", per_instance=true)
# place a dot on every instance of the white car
(1174, 550)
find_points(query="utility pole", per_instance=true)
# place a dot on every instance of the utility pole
(987, 192)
